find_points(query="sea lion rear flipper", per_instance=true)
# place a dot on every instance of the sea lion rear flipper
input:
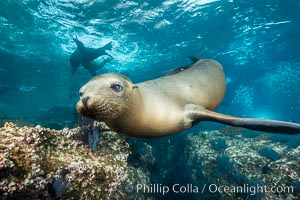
(106, 60)
(108, 46)
(194, 114)
(93, 72)
(91, 68)
(109, 55)
(74, 61)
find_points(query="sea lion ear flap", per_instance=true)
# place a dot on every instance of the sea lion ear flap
(134, 86)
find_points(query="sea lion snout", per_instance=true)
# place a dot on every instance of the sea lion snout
(84, 101)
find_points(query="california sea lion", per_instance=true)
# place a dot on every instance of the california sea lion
(166, 105)
(97, 64)
(84, 56)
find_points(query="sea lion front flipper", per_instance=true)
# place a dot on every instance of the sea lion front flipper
(74, 69)
(194, 59)
(108, 55)
(177, 70)
(79, 44)
(194, 114)
(75, 60)
(90, 67)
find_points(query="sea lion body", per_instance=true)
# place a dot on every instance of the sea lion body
(85, 56)
(166, 105)
(163, 100)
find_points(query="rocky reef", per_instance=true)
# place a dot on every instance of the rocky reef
(39, 163)
(236, 157)
(91, 162)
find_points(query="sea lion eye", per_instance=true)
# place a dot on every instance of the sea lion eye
(116, 87)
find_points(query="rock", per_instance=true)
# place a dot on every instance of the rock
(241, 163)
(39, 163)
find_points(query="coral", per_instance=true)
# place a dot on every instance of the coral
(39, 163)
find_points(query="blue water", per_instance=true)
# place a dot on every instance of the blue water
(256, 41)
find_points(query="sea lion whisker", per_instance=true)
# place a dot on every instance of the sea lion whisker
(123, 115)
(130, 107)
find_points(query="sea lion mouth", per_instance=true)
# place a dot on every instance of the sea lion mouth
(98, 108)
(82, 109)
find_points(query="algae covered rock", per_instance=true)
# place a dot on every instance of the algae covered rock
(39, 163)
(252, 165)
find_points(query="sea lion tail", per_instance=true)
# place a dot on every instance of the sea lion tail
(197, 113)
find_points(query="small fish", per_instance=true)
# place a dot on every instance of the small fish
(182, 68)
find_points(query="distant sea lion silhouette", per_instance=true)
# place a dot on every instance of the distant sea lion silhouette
(85, 56)
(97, 64)
(166, 105)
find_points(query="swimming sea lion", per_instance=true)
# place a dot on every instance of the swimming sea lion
(84, 56)
(166, 105)
(97, 64)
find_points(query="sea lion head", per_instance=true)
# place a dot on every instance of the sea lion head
(105, 97)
